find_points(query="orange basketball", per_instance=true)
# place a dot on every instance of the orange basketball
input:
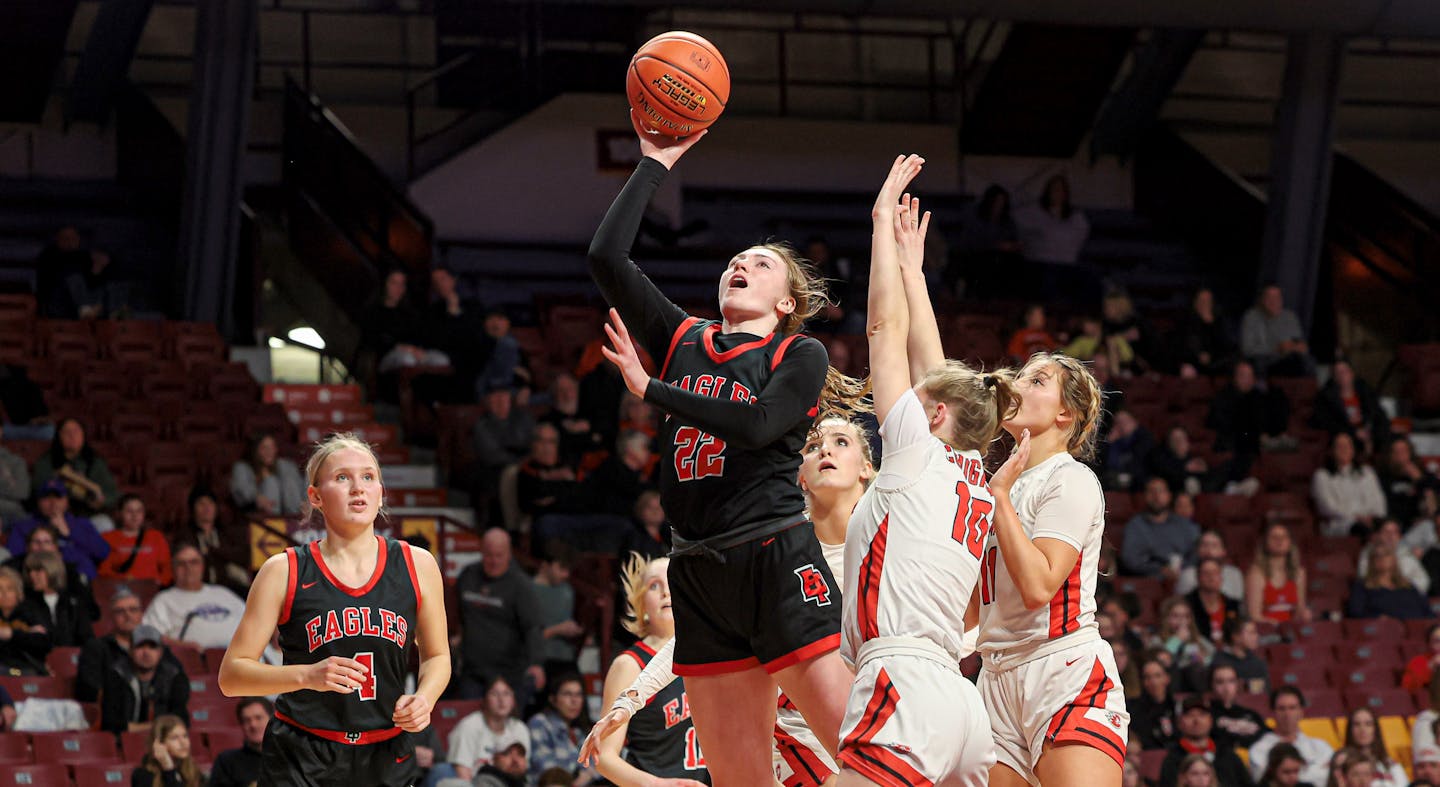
(678, 83)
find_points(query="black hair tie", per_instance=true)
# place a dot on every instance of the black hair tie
(989, 381)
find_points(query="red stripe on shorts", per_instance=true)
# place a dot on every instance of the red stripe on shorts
(882, 766)
(806, 767)
(883, 701)
(1071, 725)
(871, 568)
(1065, 606)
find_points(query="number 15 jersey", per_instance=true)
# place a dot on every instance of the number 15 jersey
(373, 624)
(913, 547)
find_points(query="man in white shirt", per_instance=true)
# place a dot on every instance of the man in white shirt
(193, 614)
(1288, 706)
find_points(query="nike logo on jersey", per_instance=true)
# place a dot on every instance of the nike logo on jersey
(309, 585)
(399, 760)
(1072, 661)
(687, 344)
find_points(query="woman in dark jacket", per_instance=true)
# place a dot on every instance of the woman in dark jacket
(64, 615)
(1384, 591)
(23, 643)
(1347, 404)
(1152, 714)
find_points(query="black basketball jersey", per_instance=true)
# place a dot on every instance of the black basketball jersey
(709, 487)
(661, 740)
(373, 624)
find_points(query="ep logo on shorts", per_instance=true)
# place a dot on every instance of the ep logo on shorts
(813, 586)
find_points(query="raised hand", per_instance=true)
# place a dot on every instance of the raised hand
(666, 150)
(902, 172)
(1005, 477)
(607, 725)
(910, 229)
(624, 357)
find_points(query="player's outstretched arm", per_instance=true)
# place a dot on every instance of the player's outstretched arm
(923, 345)
(412, 711)
(623, 671)
(242, 674)
(888, 322)
(658, 674)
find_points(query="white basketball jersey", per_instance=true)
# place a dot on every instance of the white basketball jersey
(1059, 498)
(912, 551)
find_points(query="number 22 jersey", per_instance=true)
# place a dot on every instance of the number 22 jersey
(373, 624)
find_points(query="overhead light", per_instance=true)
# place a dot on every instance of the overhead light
(307, 336)
(276, 343)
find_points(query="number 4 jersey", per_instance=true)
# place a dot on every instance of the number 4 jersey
(373, 624)
(913, 549)
(710, 487)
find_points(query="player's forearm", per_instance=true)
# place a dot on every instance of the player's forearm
(622, 773)
(434, 676)
(1026, 564)
(658, 674)
(924, 346)
(250, 678)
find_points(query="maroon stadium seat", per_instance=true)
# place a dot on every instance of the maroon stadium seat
(100, 775)
(63, 662)
(74, 747)
(49, 773)
(15, 748)
(133, 745)
(1350, 675)
(1327, 631)
(1304, 675)
(1323, 702)
(38, 686)
(1374, 630)
(218, 740)
(1382, 701)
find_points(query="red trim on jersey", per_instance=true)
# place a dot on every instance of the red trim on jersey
(817, 648)
(806, 767)
(871, 568)
(715, 667)
(1065, 605)
(649, 651)
(1071, 725)
(347, 738)
(290, 560)
(882, 766)
(884, 699)
(708, 340)
(341, 586)
(784, 703)
(675, 342)
(414, 579)
(780, 351)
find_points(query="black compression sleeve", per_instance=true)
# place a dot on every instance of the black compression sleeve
(648, 314)
(791, 393)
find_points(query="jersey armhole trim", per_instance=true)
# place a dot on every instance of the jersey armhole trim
(675, 342)
(780, 351)
(410, 567)
(293, 566)
(632, 654)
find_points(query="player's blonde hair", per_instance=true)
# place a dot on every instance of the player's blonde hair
(978, 400)
(1080, 395)
(632, 581)
(324, 449)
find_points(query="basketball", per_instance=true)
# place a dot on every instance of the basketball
(678, 83)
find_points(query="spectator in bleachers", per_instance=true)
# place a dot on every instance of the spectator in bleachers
(1053, 230)
(576, 436)
(1239, 649)
(1272, 339)
(1121, 322)
(241, 767)
(1420, 669)
(1285, 768)
(504, 368)
(137, 550)
(45, 539)
(1387, 534)
(396, 331)
(499, 623)
(1179, 636)
(1176, 462)
(1346, 493)
(167, 762)
(1404, 480)
(1124, 608)
(430, 756)
(555, 597)
(1195, 726)
(1152, 713)
(988, 240)
(1247, 417)
(1427, 768)
(23, 411)
(636, 415)
(1384, 592)
(1092, 344)
(1212, 545)
(1423, 731)
(193, 613)
(97, 655)
(649, 536)
(1352, 768)
(266, 482)
(1032, 337)
(79, 543)
(1196, 771)
(136, 691)
(1363, 734)
(1210, 607)
(24, 643)
(1287, 705)
(1236, 726)
(1158, 543)
(225, 550)
(1204, 344)
(66, 616)
(613, 487)
(86, 476)
(481, 736)
(1125, 667)
(508, 769)
(566, 510)
(546, 484)
(1126, 454)
(455, 327)
(72, 280)
(1275, 584)
(1184, 506)
(502, 437)
(1422, 539)
(556, 731)
(14, 483)
(1348, 404)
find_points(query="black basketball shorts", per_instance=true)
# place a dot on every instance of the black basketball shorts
(295, 758)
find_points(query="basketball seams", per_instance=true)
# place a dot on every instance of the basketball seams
(671, 77)
(710, 91)
(694, 40)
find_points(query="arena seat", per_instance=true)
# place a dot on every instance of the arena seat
(100, 775)
(63, 662)
(1322, 727)
(1374, 629)
(15, 748)
(1151, 761)
(38, 687)
(74, 747)
(1321, 631)
(207, 714)
(133, 745)
(49, 773)
(1379, 654)
(218, 740)
(1383, 702)
(1323, 702)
